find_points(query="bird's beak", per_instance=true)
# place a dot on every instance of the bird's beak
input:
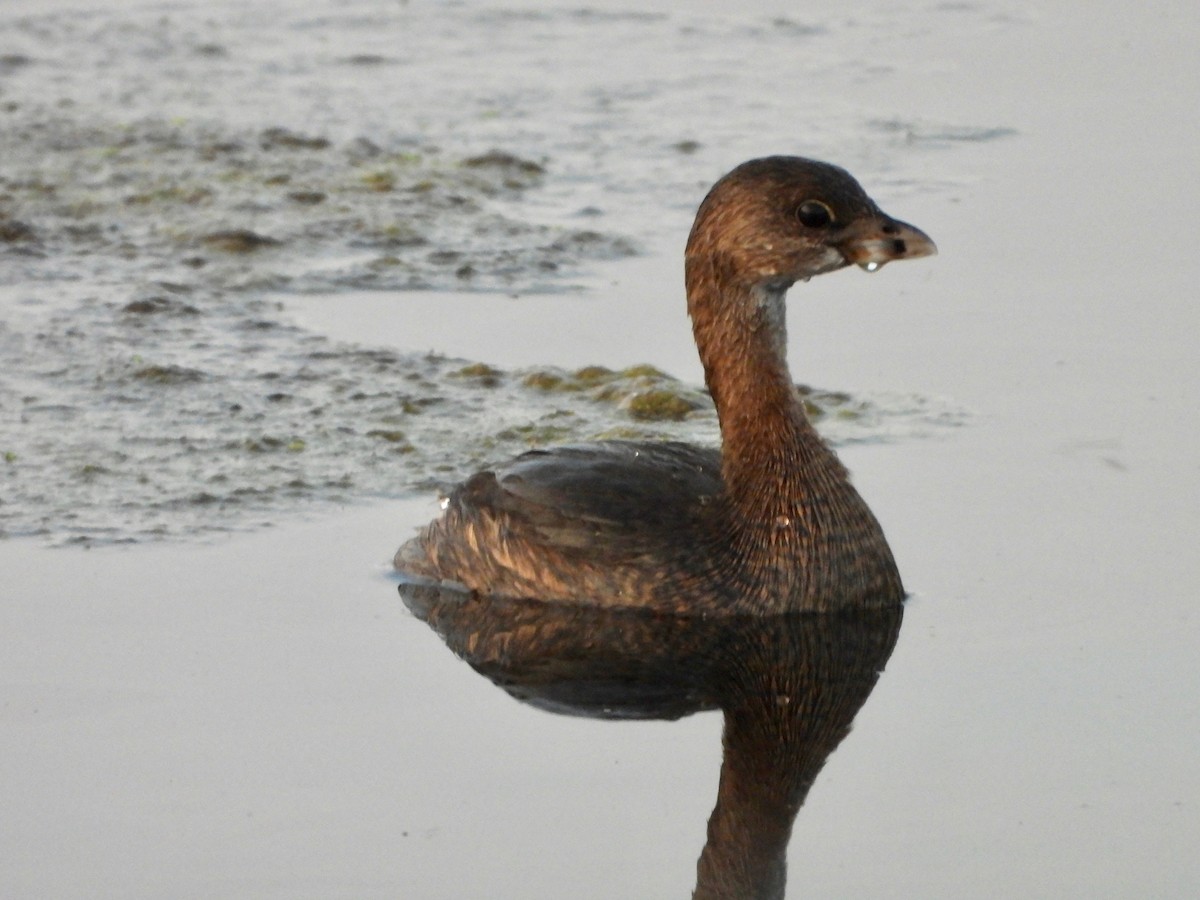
(882, 240)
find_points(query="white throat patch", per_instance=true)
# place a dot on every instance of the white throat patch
(771, 300)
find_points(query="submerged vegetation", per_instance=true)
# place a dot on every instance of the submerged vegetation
(152, 388)
(151, 384)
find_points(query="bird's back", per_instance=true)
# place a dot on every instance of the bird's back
(608, 523)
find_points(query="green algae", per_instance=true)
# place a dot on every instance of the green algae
(391, 436)
(380, 181)
(167, 375)
(545, 381)
(480, 373)
(499, 159)
(536, 434)
(646, 371)
(238, 240)
(589, 375)
(661, 406)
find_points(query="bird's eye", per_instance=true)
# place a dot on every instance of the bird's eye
(814, 214)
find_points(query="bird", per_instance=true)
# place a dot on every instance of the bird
(768, 523)
(641, 579)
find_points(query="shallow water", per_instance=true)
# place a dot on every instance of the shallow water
(259, 717)
(155, 386)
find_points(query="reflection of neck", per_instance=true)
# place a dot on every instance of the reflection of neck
(790, 687)
(765, 776)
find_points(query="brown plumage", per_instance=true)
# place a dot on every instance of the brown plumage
(768, 525)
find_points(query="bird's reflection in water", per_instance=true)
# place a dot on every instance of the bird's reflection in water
(788, 686)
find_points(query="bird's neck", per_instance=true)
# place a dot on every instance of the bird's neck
(790, 523)
(770, 451)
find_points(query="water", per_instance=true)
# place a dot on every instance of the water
(259, 716)
(154, 384)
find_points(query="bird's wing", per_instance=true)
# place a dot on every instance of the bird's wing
(577, 495)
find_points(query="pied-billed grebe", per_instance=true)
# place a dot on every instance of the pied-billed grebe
(769, 524)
